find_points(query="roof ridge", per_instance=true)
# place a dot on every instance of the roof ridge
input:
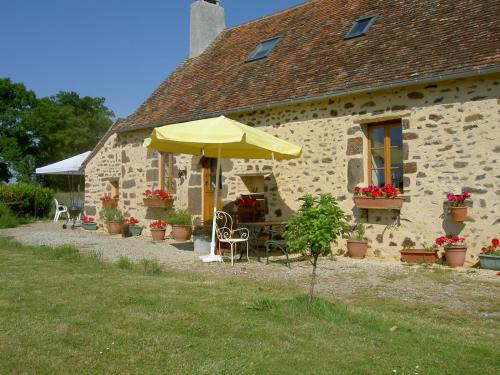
(293, 7)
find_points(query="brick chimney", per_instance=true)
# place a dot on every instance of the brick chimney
(206, 23)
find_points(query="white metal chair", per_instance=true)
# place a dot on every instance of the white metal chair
(60, 209)
(226, 233)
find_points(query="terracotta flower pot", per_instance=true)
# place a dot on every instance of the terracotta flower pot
(458, 213)
(157, 202)
(418, 256)
(455, 256)
(357, 249)
(114, 227)
(110, 204)
(182, 232)
(379, 203)
(158, 234)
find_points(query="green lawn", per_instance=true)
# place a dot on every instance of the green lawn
(65, 313)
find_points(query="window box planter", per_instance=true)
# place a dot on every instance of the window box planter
(112, 203)
(158, 234)
(357, 249)
(89, 226)
(250, 214)
(418, 256)
(182, 233)
(458, 214)
(455, 255)
(158, 202)
(491, 262)
(379, 203)
(114, 227)
(135, 230)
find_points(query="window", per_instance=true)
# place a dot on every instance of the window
(166, 166)
(361, 26)
(385, 154)
(263, 49)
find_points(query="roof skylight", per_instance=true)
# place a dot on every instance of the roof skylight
(263, 49)
(361, 26)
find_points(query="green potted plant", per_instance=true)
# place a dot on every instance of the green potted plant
(158, 229)
(409, 254)
(454, 249)
(357, 244)
(313, 228)
(133, 227)
(88, 223)
(113, 219)
(181, 222)
(458, 206)
(490, 255)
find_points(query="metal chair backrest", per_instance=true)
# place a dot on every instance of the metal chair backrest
(223, 225)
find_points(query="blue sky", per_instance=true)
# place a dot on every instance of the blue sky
(117, 49)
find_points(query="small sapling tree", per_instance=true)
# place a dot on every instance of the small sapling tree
(311, 230)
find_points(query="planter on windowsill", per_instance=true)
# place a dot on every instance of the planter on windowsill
(379, 203)
(112, 203)
(158, 202)
(418, 256)
(490, 262)
(250, 214)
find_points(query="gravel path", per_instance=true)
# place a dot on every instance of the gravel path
(469, 290)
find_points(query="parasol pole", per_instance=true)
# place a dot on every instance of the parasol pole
(212, 257)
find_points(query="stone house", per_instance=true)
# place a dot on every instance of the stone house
(374, 91)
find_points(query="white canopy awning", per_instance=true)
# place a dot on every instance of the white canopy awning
(72, 165)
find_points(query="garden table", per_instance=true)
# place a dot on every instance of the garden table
(256, 228)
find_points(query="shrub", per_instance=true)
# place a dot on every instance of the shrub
(111, 214)
(178, 217)
(312, 229)
(7, 218)
(29, 199)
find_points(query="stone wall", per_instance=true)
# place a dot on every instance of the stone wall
(450, 130)
(451, 138)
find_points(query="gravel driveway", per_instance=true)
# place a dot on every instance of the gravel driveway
(470, 290)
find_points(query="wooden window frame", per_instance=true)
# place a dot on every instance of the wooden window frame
(170, 161)
(386, 125)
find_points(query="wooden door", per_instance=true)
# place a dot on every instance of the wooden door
(209, 175)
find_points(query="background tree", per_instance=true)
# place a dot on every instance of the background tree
(17, 138)
(312, 229)
(35, 132)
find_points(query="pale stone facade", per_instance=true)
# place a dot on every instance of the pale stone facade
(451, 138)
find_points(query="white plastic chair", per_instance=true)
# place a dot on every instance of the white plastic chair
(60, 209)
(226, 233)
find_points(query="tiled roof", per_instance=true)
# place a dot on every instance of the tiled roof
(410, 39)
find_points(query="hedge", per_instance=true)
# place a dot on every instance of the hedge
(27, 199)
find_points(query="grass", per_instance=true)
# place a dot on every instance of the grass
(65, 312)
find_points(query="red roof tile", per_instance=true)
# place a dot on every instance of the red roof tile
(411, 38)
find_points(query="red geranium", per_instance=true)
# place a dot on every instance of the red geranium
(372, 191)
(457, 200)
(492, 249)
(450, 240)
(157, 194)
(132, 221)
(107, 198)
(87, 219)
(158, 224)
(247, 202)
